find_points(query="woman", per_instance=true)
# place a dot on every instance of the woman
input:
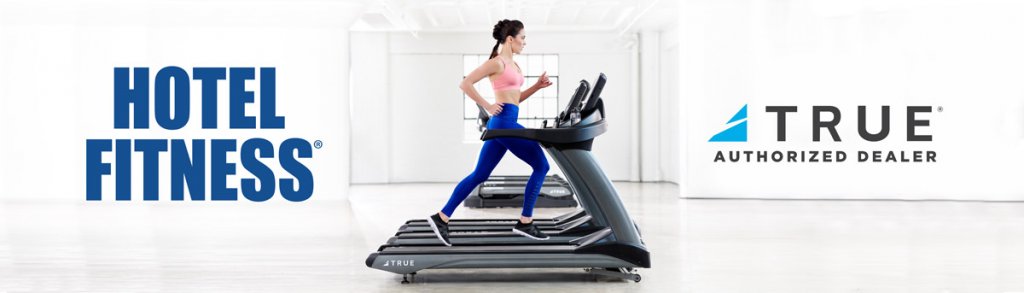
(506, 79)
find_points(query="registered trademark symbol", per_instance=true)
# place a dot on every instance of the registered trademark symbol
(318, 144)
(939, 109)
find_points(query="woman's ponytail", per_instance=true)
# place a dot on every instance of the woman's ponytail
(494, 51)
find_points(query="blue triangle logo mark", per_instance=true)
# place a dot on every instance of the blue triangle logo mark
(736, 133)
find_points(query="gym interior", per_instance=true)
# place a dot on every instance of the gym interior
(694, 146)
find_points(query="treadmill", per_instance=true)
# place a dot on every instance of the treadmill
(508, 191)
(605, 240)
(569, 220)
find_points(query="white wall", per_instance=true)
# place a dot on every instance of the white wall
(56, 81)
(659, 106)
(371, 121)
(420, 106)
(963, 55)
(668, 107)
(649, 102)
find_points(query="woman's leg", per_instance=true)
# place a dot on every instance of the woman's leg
(490, 155)
(530, 152)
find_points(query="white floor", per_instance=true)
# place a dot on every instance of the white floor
(696, 245)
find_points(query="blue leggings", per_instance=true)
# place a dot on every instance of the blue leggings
(527, 150)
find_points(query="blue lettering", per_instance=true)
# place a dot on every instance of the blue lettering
(269, 119)
(123, 178)
(162, 95)
(258, 169)
(209, 77)
(220, 169)
(95, 168)
(150, 149)
(301, 173)
(238, 97)
(192, 171)
(125, 95)
(172, 110)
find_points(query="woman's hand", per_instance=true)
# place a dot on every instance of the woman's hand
(543, 81)
(493, 109)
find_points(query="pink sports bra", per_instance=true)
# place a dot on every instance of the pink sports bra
(510, 79)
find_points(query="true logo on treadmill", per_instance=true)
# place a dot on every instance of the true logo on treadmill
(400, 263)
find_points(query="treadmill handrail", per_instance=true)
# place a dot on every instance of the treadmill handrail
(550, 135)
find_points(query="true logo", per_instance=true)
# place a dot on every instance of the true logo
(400, 263)
(737, 132)
(824, 121)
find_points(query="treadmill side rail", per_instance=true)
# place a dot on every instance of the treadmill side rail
(411, 263)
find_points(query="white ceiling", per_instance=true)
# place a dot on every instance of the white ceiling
(539, 15)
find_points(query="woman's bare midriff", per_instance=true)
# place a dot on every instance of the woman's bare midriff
(507, 97)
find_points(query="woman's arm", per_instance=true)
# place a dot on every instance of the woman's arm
(528, 92)
(486, 69)
(542, 82)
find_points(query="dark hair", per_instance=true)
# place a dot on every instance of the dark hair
(502, 29)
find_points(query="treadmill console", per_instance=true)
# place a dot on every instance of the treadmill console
(574, 106)
(577, 105)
